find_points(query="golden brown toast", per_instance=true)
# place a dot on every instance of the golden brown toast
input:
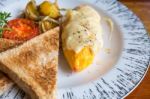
(6, 44)
(5, 82)
(33, 65)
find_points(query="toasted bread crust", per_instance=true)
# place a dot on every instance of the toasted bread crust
(33, 65)
(6, 44)
(5, 82)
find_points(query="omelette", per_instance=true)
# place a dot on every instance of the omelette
(81, 37)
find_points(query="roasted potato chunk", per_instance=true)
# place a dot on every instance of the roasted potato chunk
(49, 9)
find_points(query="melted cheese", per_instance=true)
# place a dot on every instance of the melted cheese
(82, 29)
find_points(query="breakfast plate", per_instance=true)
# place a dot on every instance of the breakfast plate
(117, 69)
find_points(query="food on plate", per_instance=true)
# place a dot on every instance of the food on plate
(46, 8)
(81, 37)
(32, 24)
(21, 29)
(5, 83)
(46, 14)
(49, 9)
(3, 20)
(16, 31)
(79, 61)
(7, 44)
(33, 65)
(31, 10)
(29, 45)
(48, 23)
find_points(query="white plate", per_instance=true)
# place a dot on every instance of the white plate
(112, 75)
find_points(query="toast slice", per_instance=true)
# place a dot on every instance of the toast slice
(33, 65)
(5, 82)
(6, 44)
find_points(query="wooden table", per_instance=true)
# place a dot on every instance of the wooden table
(142, 9)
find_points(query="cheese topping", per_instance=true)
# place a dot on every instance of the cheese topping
(82, 29)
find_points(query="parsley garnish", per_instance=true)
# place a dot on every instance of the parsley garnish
(3, 21)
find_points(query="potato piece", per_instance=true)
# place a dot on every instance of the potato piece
(44, 8)
(47, 25)
(49, 9)
(81, 60)
(31, 11)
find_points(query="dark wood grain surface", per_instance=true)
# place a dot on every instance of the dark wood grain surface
(142, 9)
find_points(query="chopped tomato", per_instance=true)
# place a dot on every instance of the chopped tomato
(21, 29)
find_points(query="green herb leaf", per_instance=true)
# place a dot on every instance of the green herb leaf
(3, 21)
